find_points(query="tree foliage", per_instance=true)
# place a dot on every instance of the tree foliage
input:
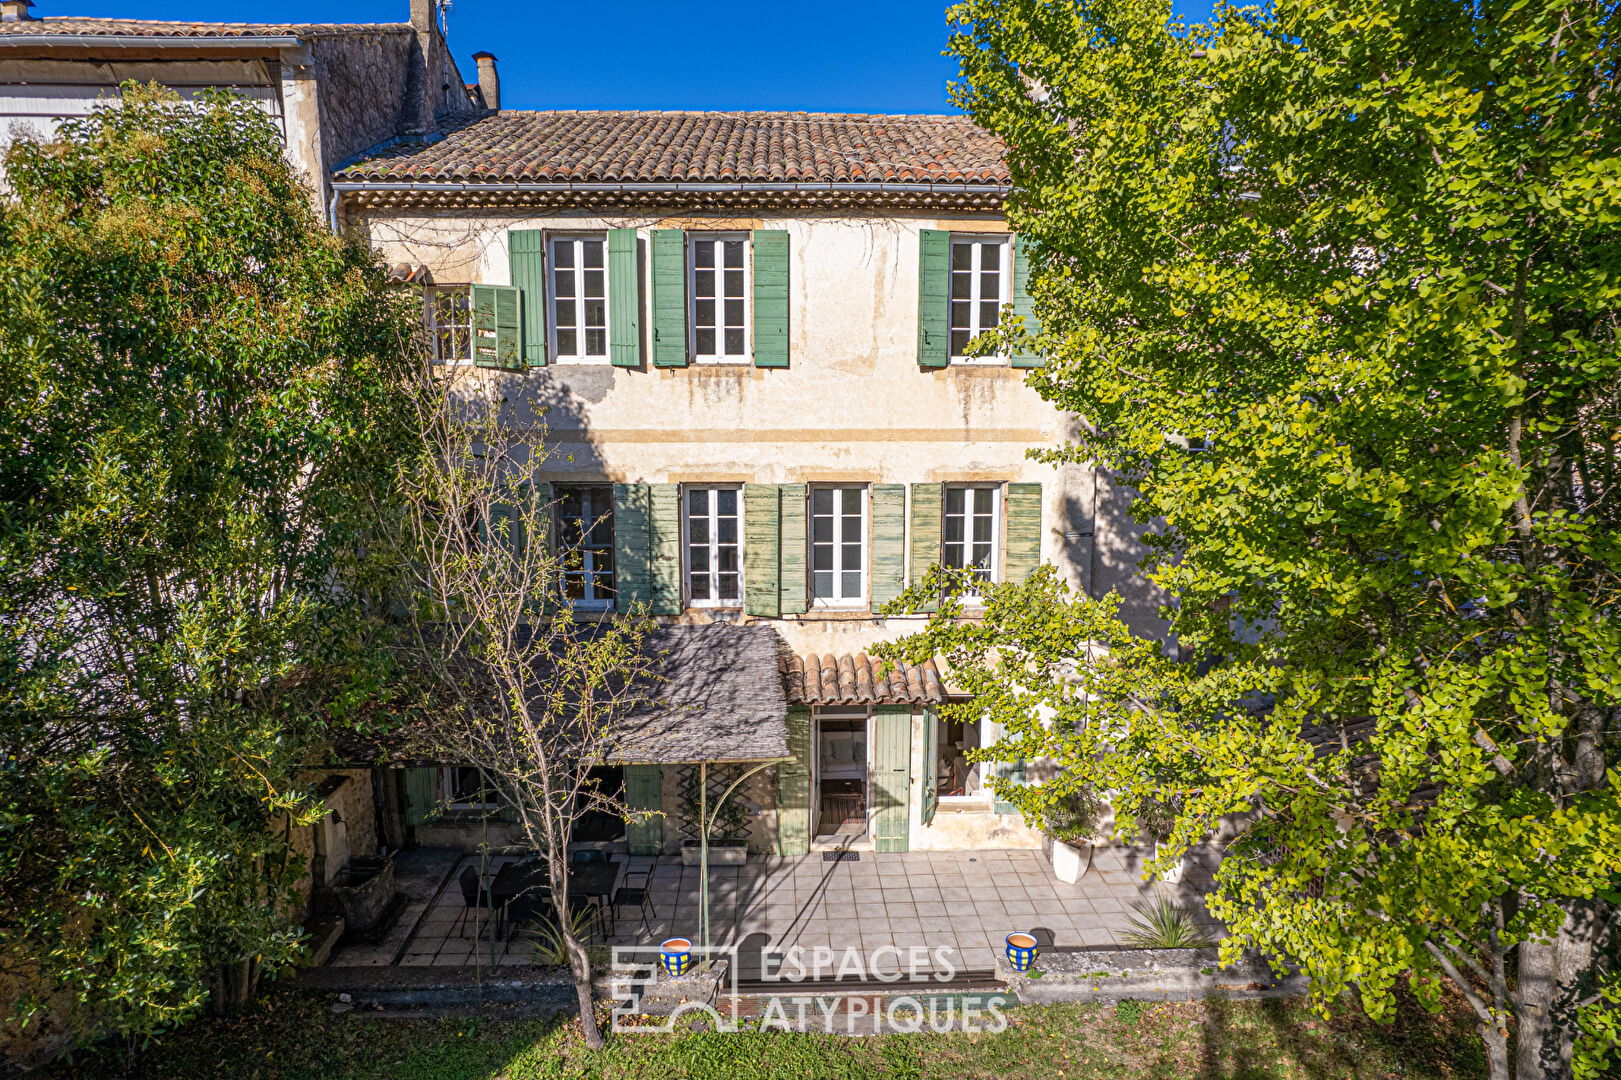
(200, 390)
(1335, 286)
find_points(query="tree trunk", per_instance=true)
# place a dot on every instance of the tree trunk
(580, 964)
(1551, 980)
(1496, 1052)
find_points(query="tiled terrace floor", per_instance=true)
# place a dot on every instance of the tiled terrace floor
(968, 901)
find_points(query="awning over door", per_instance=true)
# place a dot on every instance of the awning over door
(843, 679)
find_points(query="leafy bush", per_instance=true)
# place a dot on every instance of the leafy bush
(1073, 817)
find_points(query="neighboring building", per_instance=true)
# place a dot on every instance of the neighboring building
(334, 90)
(747, 335)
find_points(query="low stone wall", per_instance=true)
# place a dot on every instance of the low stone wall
(1060, 975)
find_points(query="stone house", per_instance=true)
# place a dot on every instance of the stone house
(747, 337)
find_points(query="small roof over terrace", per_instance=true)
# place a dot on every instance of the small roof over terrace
(843, 679)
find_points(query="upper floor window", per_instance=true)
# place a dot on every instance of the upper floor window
(838, 543)
(714, 547)
(720, 296)
(579, 273)
(980, 282)
(450, 323)
(585, 539)
(971, 530)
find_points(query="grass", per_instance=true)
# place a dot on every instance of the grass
(286, 1037)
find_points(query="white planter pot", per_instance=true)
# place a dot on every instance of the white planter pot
(1172, 876)
(720, 854)
(1070, 862)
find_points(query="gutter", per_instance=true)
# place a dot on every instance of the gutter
(173, 41)
(568, 186)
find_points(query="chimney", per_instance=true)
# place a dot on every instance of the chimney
(424, 15)
(489, 83)
(16, 11)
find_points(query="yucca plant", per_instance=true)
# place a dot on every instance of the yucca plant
(545, 937)
(1165, 924)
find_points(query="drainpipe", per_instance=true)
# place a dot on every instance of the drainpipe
(332, 212)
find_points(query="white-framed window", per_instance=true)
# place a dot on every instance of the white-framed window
(719, 286)
(838, 545)
(466, 789)
(578, 268)
(714, 543)
(973, 529)
(981, 281)
(450, 322)
(585, 539)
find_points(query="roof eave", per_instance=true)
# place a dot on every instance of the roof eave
(181, 42)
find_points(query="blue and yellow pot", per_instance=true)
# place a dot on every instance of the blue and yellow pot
(1021, 951)
(675, 956)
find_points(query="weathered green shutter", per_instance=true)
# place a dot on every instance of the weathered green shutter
(1023, 305)
(624, 300)
(762, 570)
(792, 516)
(794, 788)
(526, 261)
(633, 533)
(892, 776)
(665, 548)
(669, 298)
(926, 533)
(770, 298)
(1023, 530)
(888, 542)
(420, 788)
(644, 790)
(934, 299)
(931, 766)
(496, 335)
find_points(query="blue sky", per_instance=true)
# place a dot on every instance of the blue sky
(831, 56)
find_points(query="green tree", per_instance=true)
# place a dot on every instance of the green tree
(1335, 285)
(201, 391)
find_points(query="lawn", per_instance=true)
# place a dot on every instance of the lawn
(286, 1037)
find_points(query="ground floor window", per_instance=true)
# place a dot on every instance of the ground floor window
(959, 778)
(466, 789)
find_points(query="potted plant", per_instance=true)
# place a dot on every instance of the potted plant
(1070, 822)
(1155, 821)
(729, 822)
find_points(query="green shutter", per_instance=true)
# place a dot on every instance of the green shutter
(888, 542)
(526, 261)
(892, 776)
(792, 515)
(1023, 530)
(1023, 305)
(633, 535)
(644, 790)
(496, 319)
(794, 788)
(669, 298)
(934, 299)
(665, 548)
(770, 298)
(624, 300)
(926, 533)
(762, 569)
(931, 765)
(420, 788)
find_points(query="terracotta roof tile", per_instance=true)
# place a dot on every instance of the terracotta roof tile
(860, 680)
(76, 25)
(715, 147)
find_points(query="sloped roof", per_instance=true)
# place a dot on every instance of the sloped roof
(698, 147)
(63, 25)
(843, 679)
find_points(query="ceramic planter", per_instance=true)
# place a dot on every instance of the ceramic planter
(1021, 951)
(1173, 876)
(1070, 861)
(675, 956)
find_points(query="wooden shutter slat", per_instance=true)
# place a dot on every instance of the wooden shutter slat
(526, 262)
(644, 790)
(762, 550)
(624, 300)
(892, 776)
(421, 794)
(926, 533)
(632, 545)
(794, 788)
(934, 299)
(770, 298)
(665, 548)
(888, 542)
(1023, 305)
(792, 517)
(1023, 530)
(482, 301)
(669, 298)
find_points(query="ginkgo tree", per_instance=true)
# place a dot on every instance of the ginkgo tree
(1335, 286)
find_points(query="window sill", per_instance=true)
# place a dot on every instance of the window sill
(964, 804)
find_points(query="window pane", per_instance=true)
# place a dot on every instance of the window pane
(851, 586)
(734, 313)
(700, 586)
(563, 284)
(821, 556)
(726, 530)
(594, 282)
(704, 342)
(563, 255)
(822, 501)
(852, 556)
(726, 562)
(734, 285)
(703, 313)
(982, 500)
(726, 502)
(987, 314)
(593, 253)
(959, 342)
(566, 342)
(703, 284)
(990, 257)
(734, 341)
(954, 499)
(596, 343)
(952, 556)
(728, 587)
(703, 254)
(698, 530)
(596, 313)
(954, 528)
(852, 500)
(962, 256)
(565, 313)
(734, 256)
(962, 286)
(700, 558)
(698, 501)
(822, 586)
